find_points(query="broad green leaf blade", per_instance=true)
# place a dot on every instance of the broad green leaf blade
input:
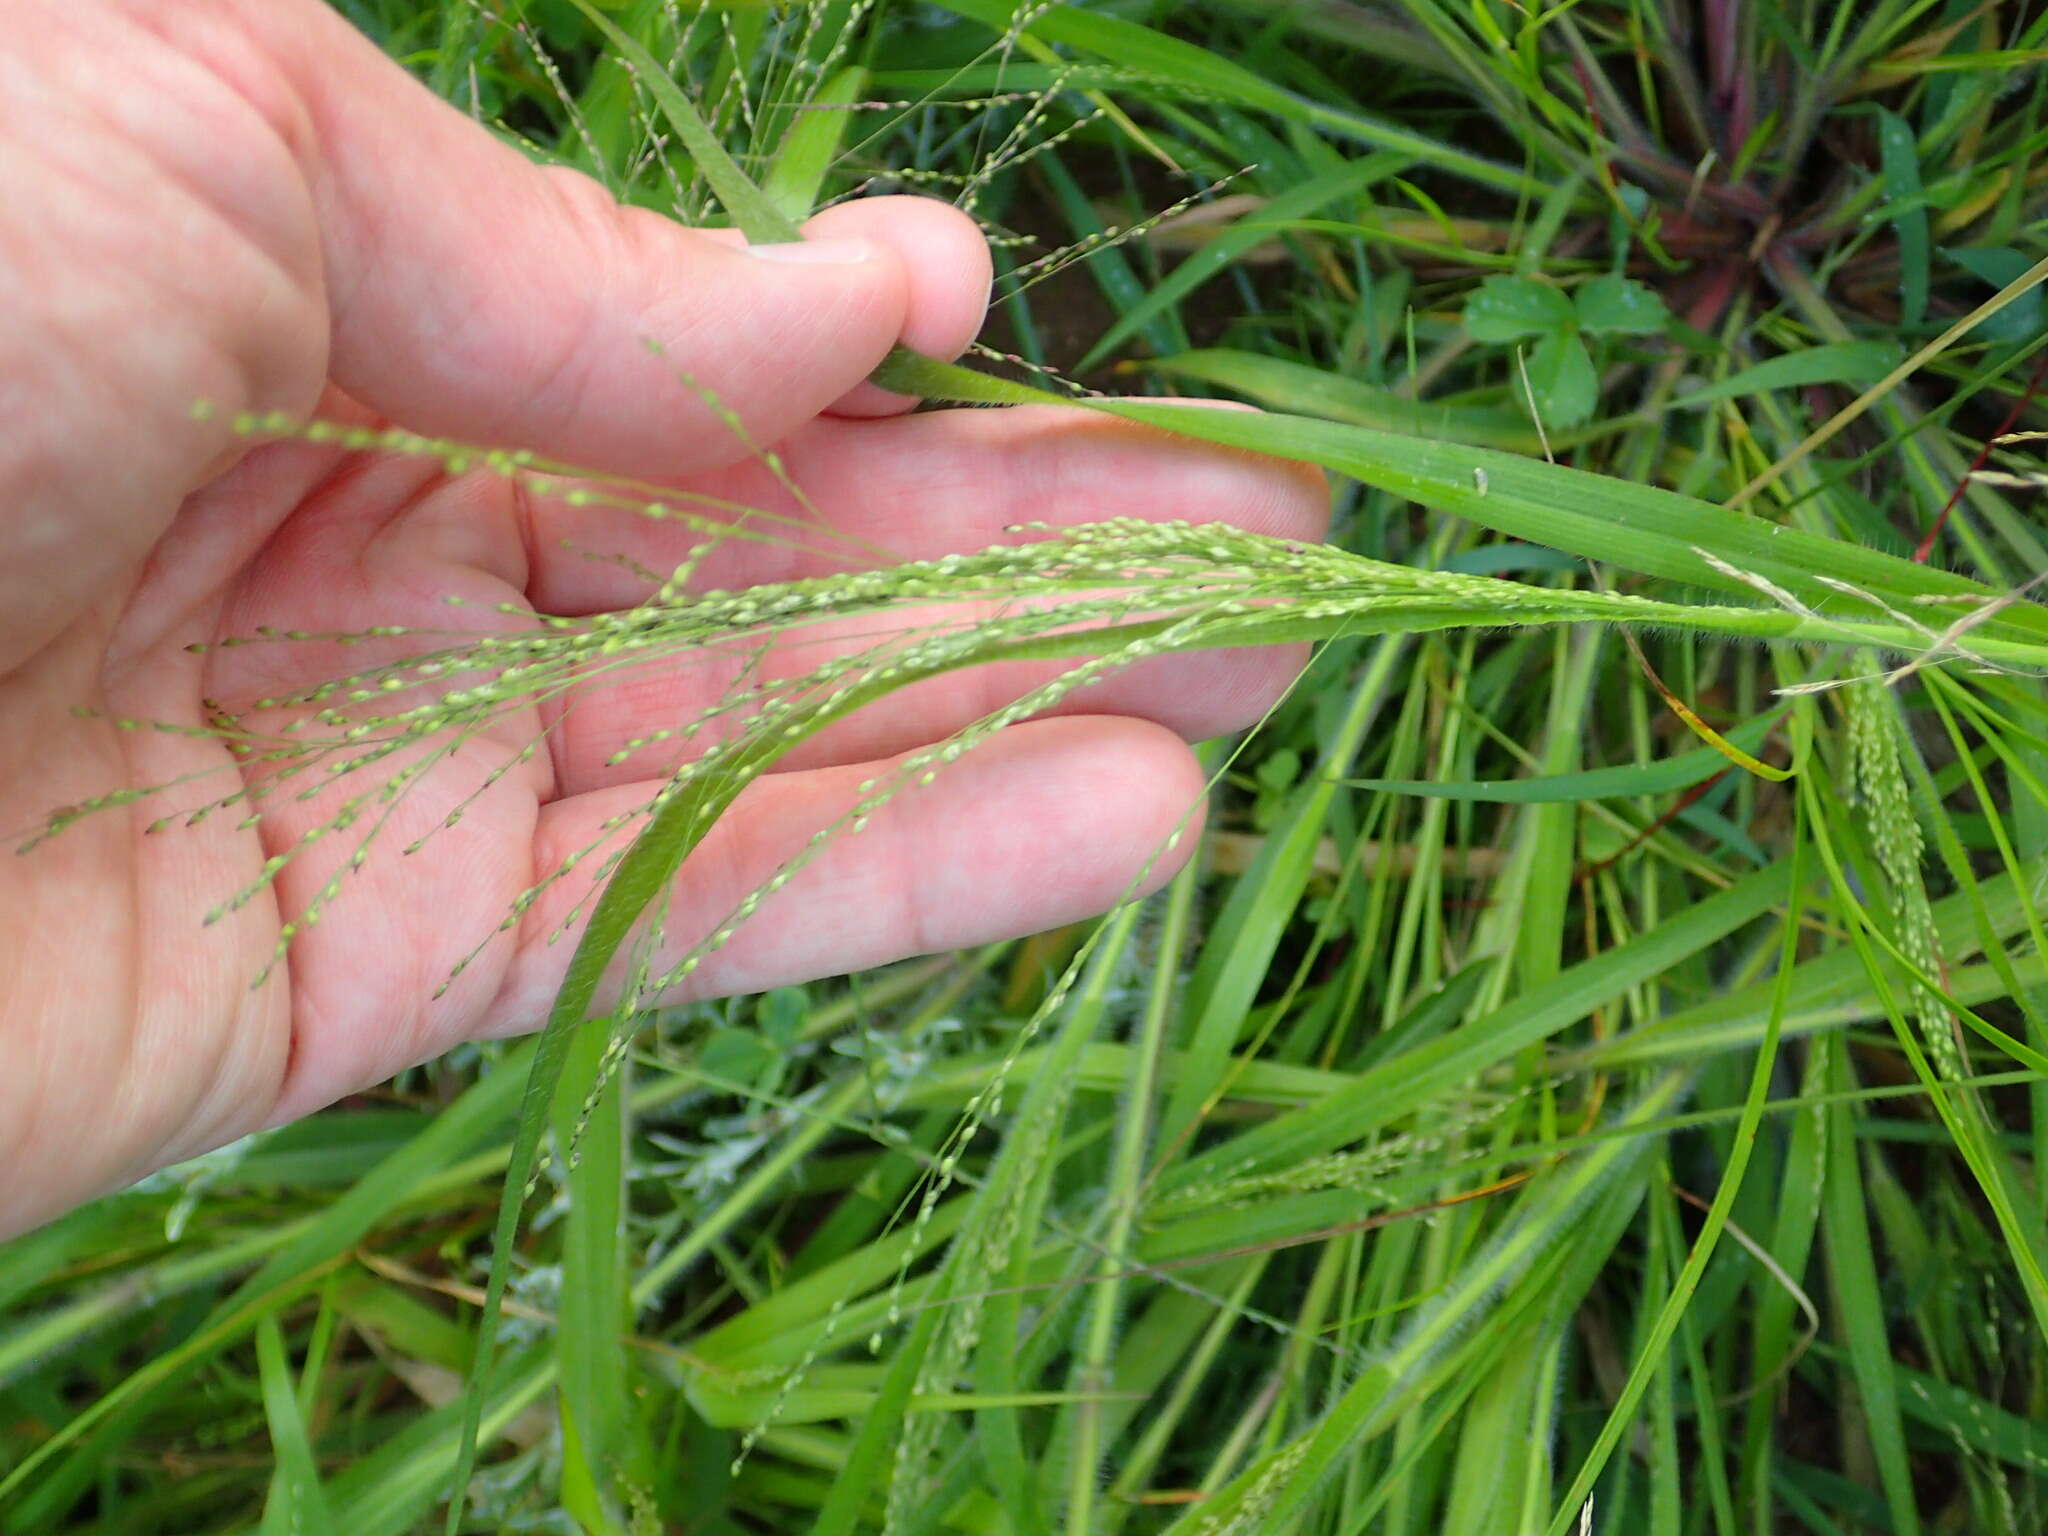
(1842, 362)
(1680, 772)
(298, 1505)
(589, 1123)
(1297, 389)
(1636, 527)
(812, 146)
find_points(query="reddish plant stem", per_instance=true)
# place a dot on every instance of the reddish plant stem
(1678, 808)
(2033, 387)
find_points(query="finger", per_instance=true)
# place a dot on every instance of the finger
(1045, 824)
(947, 262)
(915, 489)
(478, 296)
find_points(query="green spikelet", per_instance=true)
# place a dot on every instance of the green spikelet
(1874, 746)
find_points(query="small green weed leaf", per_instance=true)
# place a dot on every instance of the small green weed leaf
(1562, 380)
(2023, 319)
(1275, 777)
(1620, 306)
(1280, 770)
(737, 1056)
(1845, 362)
(1507, 308)
(1899, 165)
(780, 1017)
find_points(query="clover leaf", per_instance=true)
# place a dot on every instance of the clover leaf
(1619, 306)
(1560, 370)
(1509, 308)
(1562, 379)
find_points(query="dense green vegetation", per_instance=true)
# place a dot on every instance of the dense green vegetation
(1537, 1110)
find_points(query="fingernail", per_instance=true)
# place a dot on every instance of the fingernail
(824, 253)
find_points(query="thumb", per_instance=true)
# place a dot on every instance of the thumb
(479, 296)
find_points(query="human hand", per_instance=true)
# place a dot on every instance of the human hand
(245, 203)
